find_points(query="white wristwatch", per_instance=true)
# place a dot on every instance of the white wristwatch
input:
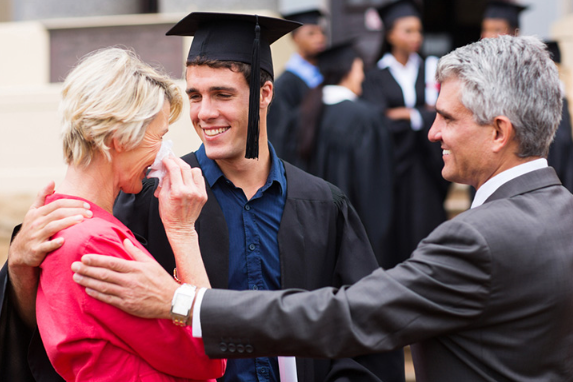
(181, 304)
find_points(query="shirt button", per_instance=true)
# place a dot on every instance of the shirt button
(240, 348)
(255, 287)
(223, 346)
(252, 247)
(247, 207)
(249, 349)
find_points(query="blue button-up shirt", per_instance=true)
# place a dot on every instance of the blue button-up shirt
(254, 261)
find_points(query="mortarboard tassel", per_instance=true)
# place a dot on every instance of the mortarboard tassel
(254, 97)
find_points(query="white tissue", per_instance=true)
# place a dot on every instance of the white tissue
(157, 169)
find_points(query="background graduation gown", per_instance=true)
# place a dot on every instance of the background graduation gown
(354, 152)
(321, 241)
(290, 89)
(561, 150)
(420, 190)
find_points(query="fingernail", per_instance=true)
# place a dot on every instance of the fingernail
(87, 206)
(90, 292)
(89, 213)
(59, 240)
(76, 266)
(77, 278)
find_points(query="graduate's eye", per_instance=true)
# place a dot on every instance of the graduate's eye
(194, 97)
(224, 95)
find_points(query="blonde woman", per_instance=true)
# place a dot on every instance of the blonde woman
(116, 110)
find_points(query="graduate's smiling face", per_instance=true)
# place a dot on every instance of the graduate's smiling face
(219, 106)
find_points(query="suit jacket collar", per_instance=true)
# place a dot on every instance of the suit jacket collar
(529, 182)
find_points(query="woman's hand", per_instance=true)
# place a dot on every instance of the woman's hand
(182, 196)
(180, 202)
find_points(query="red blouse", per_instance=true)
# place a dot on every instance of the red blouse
(90, 340)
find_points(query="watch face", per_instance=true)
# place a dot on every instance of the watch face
(182, 304)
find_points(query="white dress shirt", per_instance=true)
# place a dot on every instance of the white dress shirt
(333, 94)
(489, 187)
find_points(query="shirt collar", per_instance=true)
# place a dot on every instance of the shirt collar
(489, 187)
(333, 94)
(305, 70)
(389, 61)
(213, 173)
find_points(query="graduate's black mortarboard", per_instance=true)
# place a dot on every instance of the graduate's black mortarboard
(395, 10)
(338, 56)
(554, 51)
(504, 10)
(311, 16)
(236, 37)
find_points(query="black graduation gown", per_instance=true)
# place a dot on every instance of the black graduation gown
(561, 150)
(290, 89)
(321, 242)
(419, 189)
(354, 152)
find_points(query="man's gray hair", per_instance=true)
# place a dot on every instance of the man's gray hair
(510, 76)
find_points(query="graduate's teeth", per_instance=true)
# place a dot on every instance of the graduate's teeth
(213, 132)
(446, 152)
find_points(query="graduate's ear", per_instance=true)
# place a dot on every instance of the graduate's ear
(267, 91)
(503, 133)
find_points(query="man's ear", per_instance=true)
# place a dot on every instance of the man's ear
(503, 133)
(266, 94)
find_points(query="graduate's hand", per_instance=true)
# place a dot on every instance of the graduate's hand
(33, 242)
(41, 222)
(398, 113)
(140, 287)
(181, 197)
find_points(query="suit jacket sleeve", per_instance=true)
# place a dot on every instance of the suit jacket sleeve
(441, 289)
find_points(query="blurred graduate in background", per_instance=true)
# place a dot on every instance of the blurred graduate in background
(300, 75)
(344, 140)
(403, 87)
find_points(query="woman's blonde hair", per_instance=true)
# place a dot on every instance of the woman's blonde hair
(111, 93)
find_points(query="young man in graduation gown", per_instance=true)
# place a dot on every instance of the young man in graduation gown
(267, 225)
(501, 18)
(300, 75)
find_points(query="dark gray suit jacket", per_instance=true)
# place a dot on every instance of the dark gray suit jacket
(487, 296)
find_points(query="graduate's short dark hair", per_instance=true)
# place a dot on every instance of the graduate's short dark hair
(235, 66)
